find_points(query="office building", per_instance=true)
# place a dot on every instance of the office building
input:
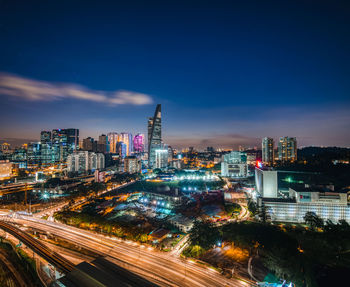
(113, 139)
(46, 147)
(139, 143)
(170, 153)
(121, 149)
(132, 164)
(287, 149)
(64, 142)
(72, 140)
(268, 156)
(88, 144)
(102, 144)
(266, 182)
(325, 203)
(19, 157)
(161, 158)
(154, 135)
(126, 138)
(234, 164)
(34, 154)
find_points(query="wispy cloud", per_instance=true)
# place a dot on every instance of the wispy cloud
(34, 90)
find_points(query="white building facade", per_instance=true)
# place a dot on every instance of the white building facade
(83, 161)
(234, 164)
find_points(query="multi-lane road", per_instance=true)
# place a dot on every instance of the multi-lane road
(60, 262)
(159, 267)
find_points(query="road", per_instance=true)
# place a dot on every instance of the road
(163, 268)
(39, 248)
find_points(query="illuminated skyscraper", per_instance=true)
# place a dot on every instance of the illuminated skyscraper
(113, 139)
(139, 143)
(126, 138)
(161, 157)
(267, 151)
(154, 135)
(287, 149)
(64, 142)
(46, 147)
(34, 154)
(121, 149)
(72, 139)
(59, 145)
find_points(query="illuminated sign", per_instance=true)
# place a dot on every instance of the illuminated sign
(259, 164)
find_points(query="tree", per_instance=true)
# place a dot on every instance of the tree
(252, 207)
(313, 220)
(204, 234)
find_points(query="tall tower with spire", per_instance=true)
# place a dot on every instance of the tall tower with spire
(154, 135)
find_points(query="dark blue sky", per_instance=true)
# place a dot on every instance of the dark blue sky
(225, 72)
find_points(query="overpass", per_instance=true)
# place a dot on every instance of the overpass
(98, 273)
(55, 259)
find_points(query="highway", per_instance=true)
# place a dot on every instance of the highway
(15, 187)
(159, 267)
(41, 249)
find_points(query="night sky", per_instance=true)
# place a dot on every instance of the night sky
(226, 72)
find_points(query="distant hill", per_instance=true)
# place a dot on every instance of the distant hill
(328, 152)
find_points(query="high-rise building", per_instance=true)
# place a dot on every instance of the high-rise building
(139, 143)
(88, 144)
(34, 154)
(102, 144)
(59, 145)
(287, 149)
(161, 157)
(154, 135)
(234, 164)
(126, 138)
(19, 157)
(82, 161)
(113, 139)
(132, 164)
(268, 156)
(46, 147)
(72, 139)
(170, 153)
(64, 142)
(121, 149)
(96, 161)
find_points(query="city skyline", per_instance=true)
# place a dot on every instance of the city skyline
(226, 74)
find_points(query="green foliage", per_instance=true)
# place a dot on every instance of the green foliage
(252, 207)
(92, 221)
(52, 182)
(313, 220)
(232, 208)
(97, 186)
(204, 234)
(194, 251)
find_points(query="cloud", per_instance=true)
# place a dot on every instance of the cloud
(34, 90)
